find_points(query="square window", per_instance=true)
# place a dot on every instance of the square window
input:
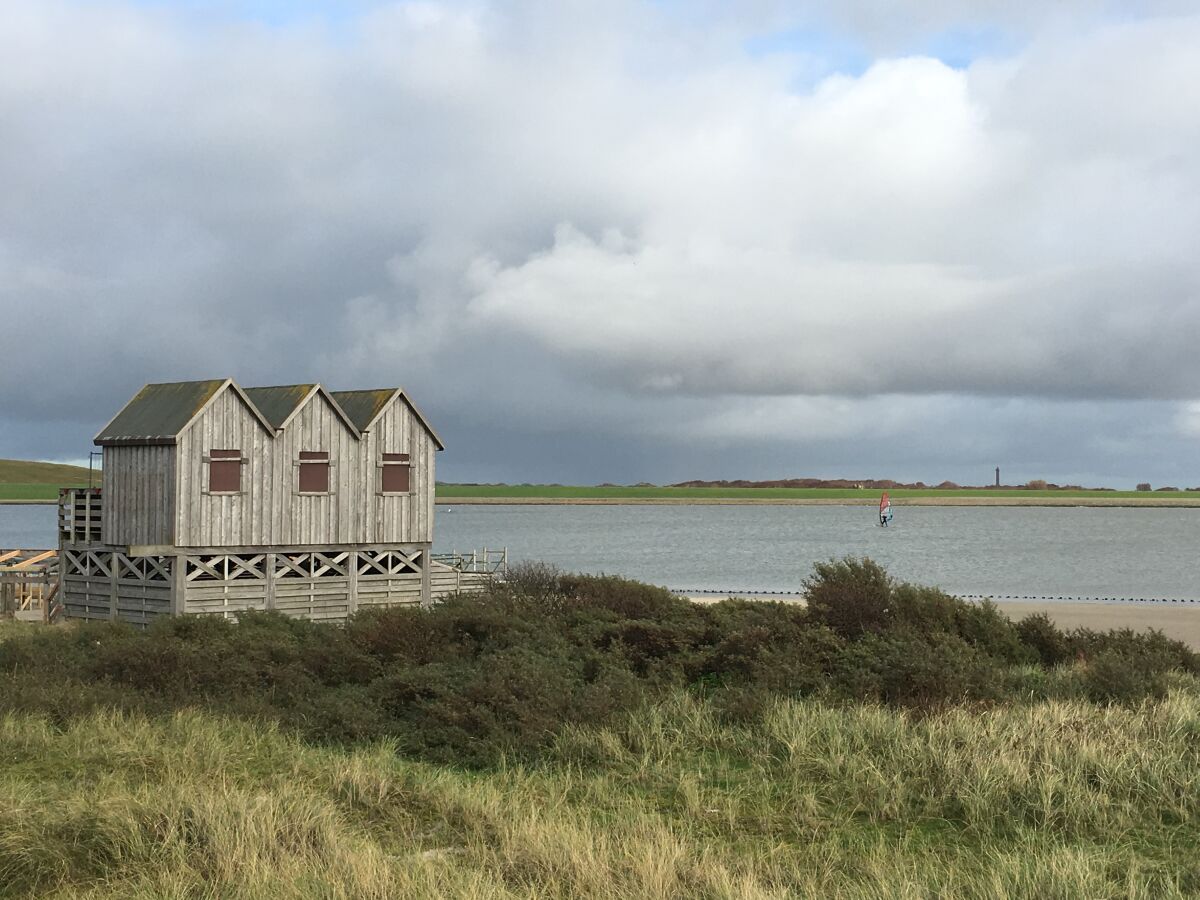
(396, 470)
(224, 471)
(314, 472)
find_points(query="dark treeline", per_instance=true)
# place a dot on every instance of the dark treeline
(503, 672)
(886, 484)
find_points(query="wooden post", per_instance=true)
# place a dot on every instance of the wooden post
(113, 568)
(426, 595)
(178, 585)
(269, 587)
(352, 582)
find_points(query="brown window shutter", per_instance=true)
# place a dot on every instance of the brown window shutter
(314, 472)
(395, 478)
(224, 471)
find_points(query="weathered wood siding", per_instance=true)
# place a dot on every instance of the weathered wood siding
(139, 495)
(270, 510)
(405, 517)
(220, 520)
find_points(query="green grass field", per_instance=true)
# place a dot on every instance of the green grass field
(447, 492)
(36, 492)
(22, 479)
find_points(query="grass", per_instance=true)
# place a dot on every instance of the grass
(22, 471)
(37, 492)
(1049, 800)
(572, 736)
(448, 492)
(25, 480)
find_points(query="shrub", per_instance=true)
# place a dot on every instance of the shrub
(1144, 486)
(906, 670)
(927, 611)
(1146, 649)
(1113, 677)
(851, 596)
(478, 677)
(1037, 484)
(1041, 636)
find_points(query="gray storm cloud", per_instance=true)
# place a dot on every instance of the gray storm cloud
(621, 223)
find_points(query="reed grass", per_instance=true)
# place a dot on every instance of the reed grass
(1049, 799)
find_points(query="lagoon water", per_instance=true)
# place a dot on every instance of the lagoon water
(1111, 553)
(1117, 553)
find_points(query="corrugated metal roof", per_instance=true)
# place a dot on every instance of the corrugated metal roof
(277, 403)
(363, 406)
(159, 412)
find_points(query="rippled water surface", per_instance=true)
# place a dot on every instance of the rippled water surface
(1017, 551)
(1020, 551)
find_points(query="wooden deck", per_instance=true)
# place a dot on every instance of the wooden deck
(105, 583)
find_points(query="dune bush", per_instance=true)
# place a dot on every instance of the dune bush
(479, 678)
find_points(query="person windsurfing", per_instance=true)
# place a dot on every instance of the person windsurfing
(885, 509)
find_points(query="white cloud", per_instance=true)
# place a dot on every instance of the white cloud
(607, 214)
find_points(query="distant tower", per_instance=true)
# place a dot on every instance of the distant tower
(997, 476)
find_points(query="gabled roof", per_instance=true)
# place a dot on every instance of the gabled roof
(285, 401)
(364, 407)
(278, 403)
(158, 413)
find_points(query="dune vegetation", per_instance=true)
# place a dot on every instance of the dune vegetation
(569, 736)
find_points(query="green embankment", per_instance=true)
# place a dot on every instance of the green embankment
(22, 479)
(463, 492)
(568, 736)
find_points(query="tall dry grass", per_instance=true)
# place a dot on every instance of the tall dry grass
(1053, 799)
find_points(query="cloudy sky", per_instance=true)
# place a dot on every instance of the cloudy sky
(621, 241)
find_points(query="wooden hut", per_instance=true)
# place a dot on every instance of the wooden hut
(218, 498)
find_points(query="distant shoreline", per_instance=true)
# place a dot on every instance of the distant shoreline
(1188, 502)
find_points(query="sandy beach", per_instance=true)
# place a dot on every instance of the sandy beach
(1181, 622)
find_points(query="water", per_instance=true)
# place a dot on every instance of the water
(1107, 552)
(28, 526)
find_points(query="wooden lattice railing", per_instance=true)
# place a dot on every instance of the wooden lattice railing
(477, 562)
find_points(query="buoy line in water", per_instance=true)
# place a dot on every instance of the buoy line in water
(697, 592)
